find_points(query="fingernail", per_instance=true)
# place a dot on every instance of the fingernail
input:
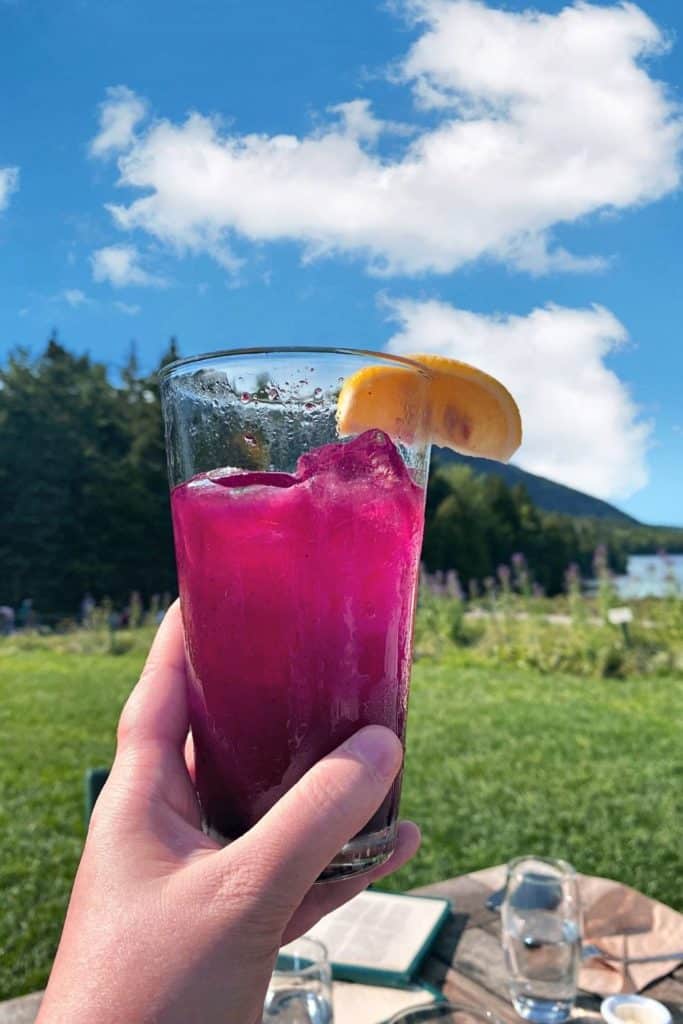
(377, 747)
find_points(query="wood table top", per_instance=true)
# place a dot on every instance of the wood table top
(467, 962)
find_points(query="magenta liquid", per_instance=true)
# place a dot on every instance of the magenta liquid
(298, 595)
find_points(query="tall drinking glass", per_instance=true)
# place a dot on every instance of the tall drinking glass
(297, 555)
(541, 927)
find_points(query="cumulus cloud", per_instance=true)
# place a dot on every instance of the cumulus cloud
(120, 113)
(75, 297)
(523, 122)
(120, 266)
(581, 426)
(9, 183)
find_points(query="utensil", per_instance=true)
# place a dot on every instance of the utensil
(593, 952)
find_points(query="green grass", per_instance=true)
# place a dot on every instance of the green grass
(503, 762)
(58, 716)
(500, 762)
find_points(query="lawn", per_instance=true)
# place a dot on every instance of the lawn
(500, 762)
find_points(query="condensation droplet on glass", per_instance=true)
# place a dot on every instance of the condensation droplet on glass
(309, 406)
(245, 397)
(318, 392)
(273, 394)
(249, 440)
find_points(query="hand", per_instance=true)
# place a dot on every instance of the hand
(164, 926)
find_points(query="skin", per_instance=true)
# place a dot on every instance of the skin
(164, 926)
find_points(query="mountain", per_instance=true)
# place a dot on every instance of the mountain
(545, 494)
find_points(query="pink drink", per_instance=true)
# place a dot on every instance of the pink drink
(298, 594)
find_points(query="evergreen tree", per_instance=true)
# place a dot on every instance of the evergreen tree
(82, 476)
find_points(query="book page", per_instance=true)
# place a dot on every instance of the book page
(370, 1004)
(378, 930)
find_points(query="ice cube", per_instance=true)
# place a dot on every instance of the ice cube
(372, 456)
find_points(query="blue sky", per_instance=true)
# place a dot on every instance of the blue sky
(445, 175)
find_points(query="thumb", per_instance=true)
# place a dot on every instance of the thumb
(296, 840)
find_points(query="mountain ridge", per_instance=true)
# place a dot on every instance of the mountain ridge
(544, 493)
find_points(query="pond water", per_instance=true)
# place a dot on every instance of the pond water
(651, 576)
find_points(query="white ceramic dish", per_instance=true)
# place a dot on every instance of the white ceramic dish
(634, 1010)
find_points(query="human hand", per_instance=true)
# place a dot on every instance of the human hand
(164, 926)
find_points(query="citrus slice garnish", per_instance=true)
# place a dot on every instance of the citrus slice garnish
(464, 408)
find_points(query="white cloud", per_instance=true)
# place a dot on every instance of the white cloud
(130, 309)
(581, 426)
(119, 114)
(359, 122)
(75, 297)
(120, 266)
(534, 120)
(9, 183)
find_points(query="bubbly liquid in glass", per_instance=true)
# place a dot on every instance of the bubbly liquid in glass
(298, 595)
(543, 952)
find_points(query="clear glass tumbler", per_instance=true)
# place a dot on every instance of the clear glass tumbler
(297, 555)
(446, 1013)
(541, 928)
(300, 990)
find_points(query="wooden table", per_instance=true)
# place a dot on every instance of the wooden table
(467, 960)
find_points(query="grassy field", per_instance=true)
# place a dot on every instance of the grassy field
(501, 761)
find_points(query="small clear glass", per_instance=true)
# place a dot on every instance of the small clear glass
(541, 930)
(447, 1013)
(300, 990)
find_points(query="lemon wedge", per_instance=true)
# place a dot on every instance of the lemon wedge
(464, 408)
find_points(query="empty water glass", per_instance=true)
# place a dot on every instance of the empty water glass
(446, 1013)
(300, 990)
(541, 927)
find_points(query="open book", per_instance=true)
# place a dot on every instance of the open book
(380, 938)
(369, 1004)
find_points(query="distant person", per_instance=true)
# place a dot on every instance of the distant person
(6, 620)
(26, 616)
(87, 608)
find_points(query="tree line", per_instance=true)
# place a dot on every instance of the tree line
(83, 486)
(476, 523)
(84, 496)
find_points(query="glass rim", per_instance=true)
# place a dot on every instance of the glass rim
(314, 962)
(441, 1009)
(226, 353)
(564, 866)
